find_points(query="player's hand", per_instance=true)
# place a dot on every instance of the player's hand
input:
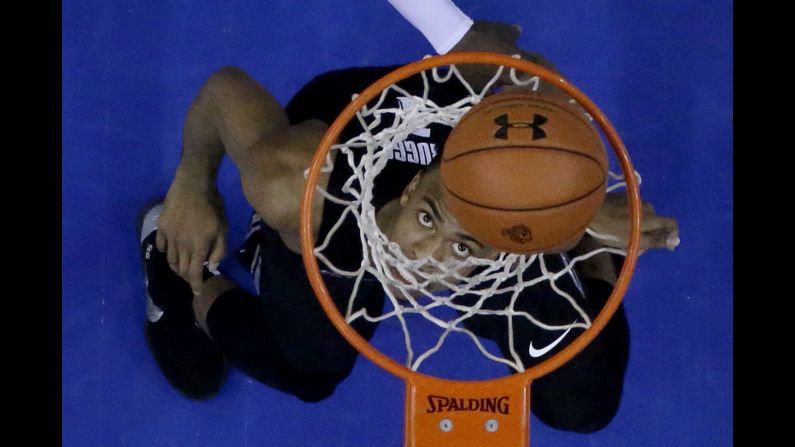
(191, 230)
(493, 37)
(613, 219)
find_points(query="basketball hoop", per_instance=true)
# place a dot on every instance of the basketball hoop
(440, 411)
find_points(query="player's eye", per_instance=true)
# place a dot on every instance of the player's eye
(425, 219)
(460, 250)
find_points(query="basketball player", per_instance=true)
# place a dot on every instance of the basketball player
(199, 321)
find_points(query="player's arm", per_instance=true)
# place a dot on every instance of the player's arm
(448, 29)
(232, 115)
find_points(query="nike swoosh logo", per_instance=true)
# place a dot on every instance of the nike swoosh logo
(539, 352)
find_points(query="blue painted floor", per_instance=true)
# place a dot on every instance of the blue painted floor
(661, 70)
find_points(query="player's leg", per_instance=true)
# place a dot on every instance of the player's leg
(241, 325)
(281, 338)
(190, 361)
(286, 342)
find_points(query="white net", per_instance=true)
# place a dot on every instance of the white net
(417, 289)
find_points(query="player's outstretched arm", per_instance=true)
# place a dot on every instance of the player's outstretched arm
(448, 29)
(233, 115)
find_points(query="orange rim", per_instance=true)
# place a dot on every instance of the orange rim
(331, 136)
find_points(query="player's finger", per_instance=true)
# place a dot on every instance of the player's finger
(195, 269)
(160, 241)
(184, 264)
(172, 255)
(218, 252)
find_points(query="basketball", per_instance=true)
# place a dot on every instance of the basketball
(524, 172)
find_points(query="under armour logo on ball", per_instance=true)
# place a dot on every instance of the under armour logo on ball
(502, 132)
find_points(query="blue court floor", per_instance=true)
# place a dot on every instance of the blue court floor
(660, 69)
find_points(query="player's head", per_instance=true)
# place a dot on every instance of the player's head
(425, 227)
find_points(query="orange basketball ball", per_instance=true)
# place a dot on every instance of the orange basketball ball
(524, 172)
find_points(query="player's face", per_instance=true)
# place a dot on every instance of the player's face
(425, 226)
